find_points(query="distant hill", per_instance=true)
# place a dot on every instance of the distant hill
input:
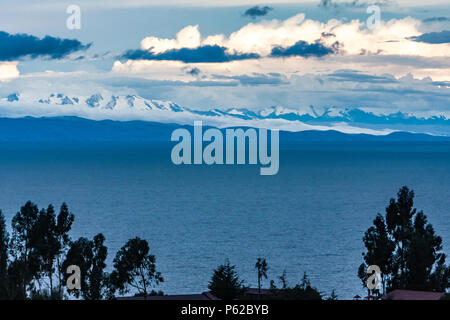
(80, 129)
(332, 135)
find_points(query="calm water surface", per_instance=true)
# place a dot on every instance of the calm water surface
(310, 217)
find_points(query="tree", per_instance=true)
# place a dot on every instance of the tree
(380, 249)
(63, 226)
(26, 264)
(305, 283)
(90, 257)
(440, 278)
(97, 277)
(80, 254)
(37, 249)
(362, 274)
(302, 291)
(406, 248)
(134, 267)
(45, 243)
(4, 239)
(16, 280)
(261, 267)
(283, 280)
(225, 283)
(333, 295)
(38, 242)
(422, 254)
(399, 216)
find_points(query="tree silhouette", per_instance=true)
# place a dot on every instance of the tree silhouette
(261, 267)
(97, 277)
(39, 247)
(81, 255)
(363, 276)
(380, 250)
(90, 257)
(399, 216)
(134, 267)
(63, 226)
(225, 283)
(38, 241)
(4, 239)
(423, 256)
(301, 291)
(333, 295)
(26, 263)
(406, 248)
(283, 280)
(45, 244)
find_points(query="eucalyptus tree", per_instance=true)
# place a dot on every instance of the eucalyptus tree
(261, 267)
(134, 268)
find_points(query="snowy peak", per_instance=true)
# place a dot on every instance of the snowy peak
(59, 98)
(97, 101)
(107, 105)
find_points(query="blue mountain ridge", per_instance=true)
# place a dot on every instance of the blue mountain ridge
(80, 129)
(311, 115)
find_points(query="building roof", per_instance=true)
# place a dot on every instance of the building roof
(188, 297)
(194, 297)
(412, 295)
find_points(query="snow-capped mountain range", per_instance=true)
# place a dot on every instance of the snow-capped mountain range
(101, 106)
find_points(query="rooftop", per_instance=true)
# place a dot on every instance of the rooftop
(412, 295)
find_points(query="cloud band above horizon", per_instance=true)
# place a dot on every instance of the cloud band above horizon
(19, 46)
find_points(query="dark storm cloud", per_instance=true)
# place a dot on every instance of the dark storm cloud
(303, 49)
(257, 11)
(205, 54)
(17, 46)
(433, 37)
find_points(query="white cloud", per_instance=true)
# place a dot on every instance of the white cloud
(384, 52)
(391, 38)
(188, 37)
(8, 70)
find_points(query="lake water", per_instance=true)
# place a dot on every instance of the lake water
(310, 217)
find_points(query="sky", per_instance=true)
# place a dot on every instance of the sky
(381, 56)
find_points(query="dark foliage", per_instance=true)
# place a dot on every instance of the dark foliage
(225, 283)
(406, 248)
(4, 239)
(35, 258)
(89, 256)
(302, 291)
(134, 268)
